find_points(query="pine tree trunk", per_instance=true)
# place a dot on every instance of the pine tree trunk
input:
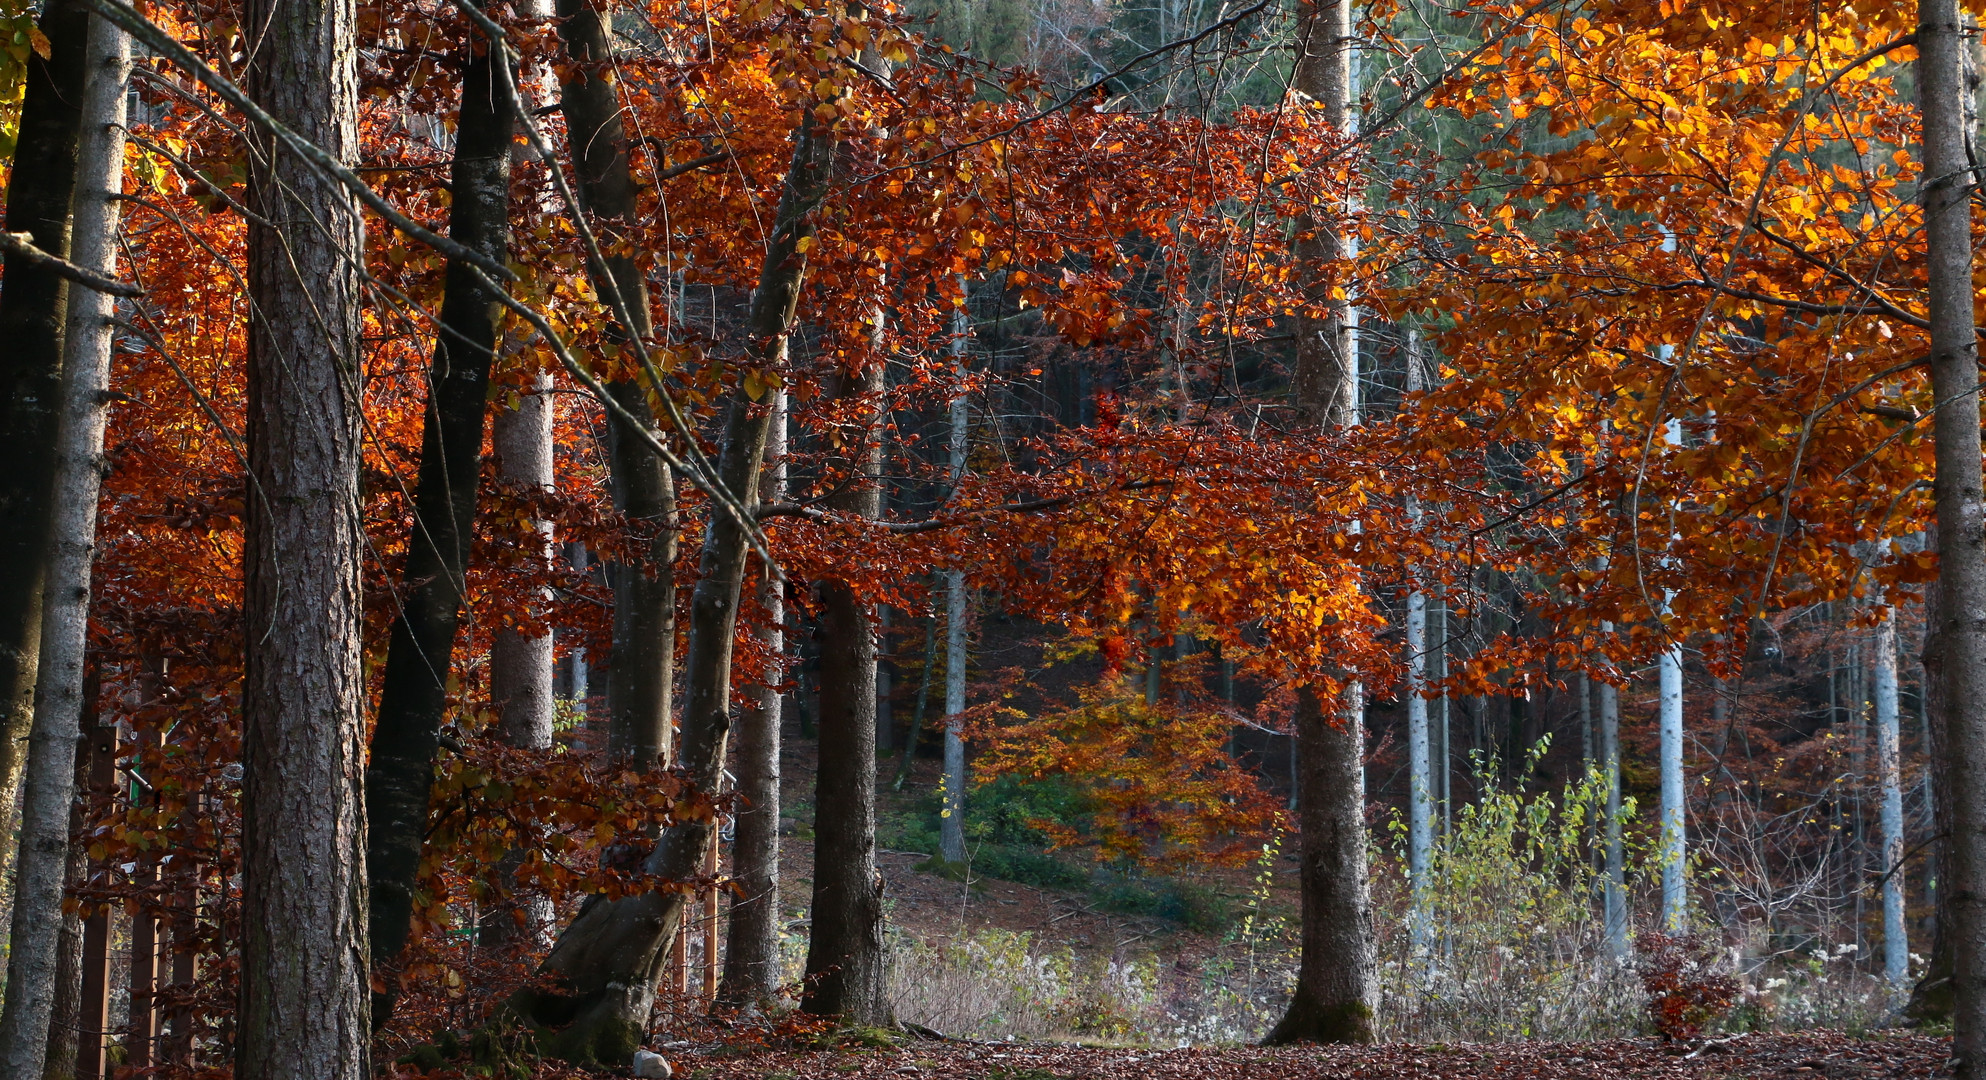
(32, 309)
(41, 937)
(1335, 988)
(607, 959)
(753, 967)
(304, 973)
(641, 665)
(421, 650)
(845, 963)
(1956, 654)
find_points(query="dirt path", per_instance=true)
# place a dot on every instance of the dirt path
(1818, 1056)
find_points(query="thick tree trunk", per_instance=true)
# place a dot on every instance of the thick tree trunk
(1335, 988)
(32, 310)
(845, 963)
(521, 663)
(304, 972)
(521, 667)
(421, 650)
(753, 967)
(609, 956)
(642, 664)
(40, 932)
(1957, 652)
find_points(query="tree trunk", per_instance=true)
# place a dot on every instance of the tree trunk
(1614, 887)
(1889, 767)
(951, 826)
(521, 663)
(845, 963)
(421, 650)
(753, 967)
(303, 1006)
(32, 309)
(1671, 852)
(41, 937)
(1956, 654)
(609, 956)
(1335, 988)
(641, 664)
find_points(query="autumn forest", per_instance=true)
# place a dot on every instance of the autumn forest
(996, 539)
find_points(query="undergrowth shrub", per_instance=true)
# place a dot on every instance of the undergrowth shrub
(1687, 986)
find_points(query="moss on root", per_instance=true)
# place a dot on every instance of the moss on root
(533, 1026)
(1312, 1021)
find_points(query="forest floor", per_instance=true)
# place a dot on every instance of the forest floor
(1807, 1056)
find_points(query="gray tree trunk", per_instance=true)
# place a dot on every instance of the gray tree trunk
(1957, 653)
(641, 663)
(951, 826)
(304, 973)
(521, 663)
(608, 958)
(1614, 886)
(845, 961)
(49, 790)
(1336, 988)
(1889, 768)
(32, 309)
(753, 967)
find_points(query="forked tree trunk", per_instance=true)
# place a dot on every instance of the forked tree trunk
(1956, 653)
(641, 663)
(752, 962)
(607, 959)
(40, 931)
(421, 650)
(31, 313)
(1335, 989)
(304, 974)
(845, 969)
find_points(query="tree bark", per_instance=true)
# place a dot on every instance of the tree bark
(1957, 653)
(641, 664)
(845, 964)
(951, 826)
(304, 972)
(1889, 769)
(421, 650)
(1335, 988)
(521, 663)
(753, 966)
(610, 955)
(32, 309)
(41, 937)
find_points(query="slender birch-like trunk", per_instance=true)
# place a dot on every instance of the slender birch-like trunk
(49, 790)
(1889, 769)
(951, 825)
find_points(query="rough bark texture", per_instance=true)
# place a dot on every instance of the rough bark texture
(1956, 654)
(31, 313)
(43, 942)
(642, 663)
(753, 968)
(303, 1005)
(415, 697)
(1335, 988)
(1931, 998)
(845, 969)
(609, 956)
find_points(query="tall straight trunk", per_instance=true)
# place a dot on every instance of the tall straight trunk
(845, 969)
(609, 956)
(304, 973)
(1420, 782)
(1671, 854)
(421, 650)
(520, 662)
(1957, 653)
(1614, 885)
(1336, 988)
(641, 663)
(1896, 943)
(752, 963)
(1931, 999)
(951, 827)
(49, 790)
(32, 309)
